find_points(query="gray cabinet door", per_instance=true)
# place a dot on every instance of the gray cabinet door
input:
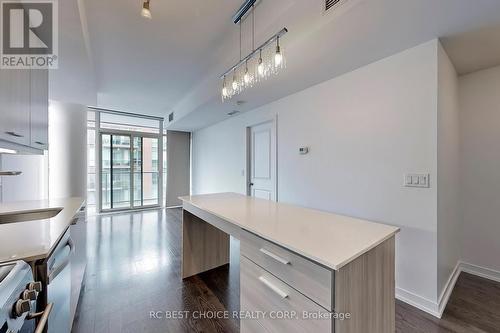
(39, 108)
(15, 106)
(78, 261)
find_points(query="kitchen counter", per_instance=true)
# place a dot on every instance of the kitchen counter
(33, 240)
(330, 239)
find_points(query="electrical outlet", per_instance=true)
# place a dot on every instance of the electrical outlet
(417, 180)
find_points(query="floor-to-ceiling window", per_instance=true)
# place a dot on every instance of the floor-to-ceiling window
(116, 171)
(131, 155)
(91, 165)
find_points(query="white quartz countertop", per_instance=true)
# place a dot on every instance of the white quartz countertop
(33, 240)
(330, 239)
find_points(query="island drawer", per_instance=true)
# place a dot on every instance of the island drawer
(281, 307)
(308, 277)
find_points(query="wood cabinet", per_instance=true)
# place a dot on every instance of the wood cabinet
(24, 108)
(311, 279)
(364, 290)
(301, 270)
(283, 307)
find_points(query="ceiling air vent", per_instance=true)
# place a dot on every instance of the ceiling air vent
(170, 117)
(331, 4)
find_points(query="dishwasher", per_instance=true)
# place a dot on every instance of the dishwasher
(55, 274)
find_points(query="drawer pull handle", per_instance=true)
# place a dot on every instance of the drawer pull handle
(15, 134)
(40, 143)
(271, 286)
(275, 257)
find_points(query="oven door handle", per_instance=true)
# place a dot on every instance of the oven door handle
(54, 272)
(44, 317)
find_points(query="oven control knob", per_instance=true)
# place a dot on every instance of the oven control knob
(22, 306)
(36, 286)
(29, 295)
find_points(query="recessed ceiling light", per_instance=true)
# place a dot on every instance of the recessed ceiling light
(146, 12)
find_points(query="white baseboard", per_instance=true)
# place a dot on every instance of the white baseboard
(448, 289)
(437, 308)
(417, 301)
(484, 272)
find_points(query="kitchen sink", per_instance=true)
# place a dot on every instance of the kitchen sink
(29, 215)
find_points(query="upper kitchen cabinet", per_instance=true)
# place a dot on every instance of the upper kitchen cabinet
(15, 106)
(39, 106)
(24, 102)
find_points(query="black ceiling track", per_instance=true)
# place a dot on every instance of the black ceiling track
(245, 7)
(330, 3)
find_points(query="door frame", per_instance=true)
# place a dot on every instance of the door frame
(111, 133)
(130, 134)
(248, 167)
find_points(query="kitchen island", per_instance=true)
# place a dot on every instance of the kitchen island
(325, 272)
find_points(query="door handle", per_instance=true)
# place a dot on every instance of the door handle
(251, 184)
(17, 135)
(55, 272)
(44, 316)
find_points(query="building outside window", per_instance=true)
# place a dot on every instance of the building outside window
(130, 164)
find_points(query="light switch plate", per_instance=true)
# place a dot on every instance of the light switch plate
(417, 180)
(303, 150)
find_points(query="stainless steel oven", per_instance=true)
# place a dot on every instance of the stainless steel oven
(18, 295)
(55, 275)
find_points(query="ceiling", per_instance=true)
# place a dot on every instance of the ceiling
(147, 66)
(172, 63)
(474, 50)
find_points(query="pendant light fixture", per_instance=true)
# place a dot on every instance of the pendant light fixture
(278, 58)
(146, 11)
(262, 62)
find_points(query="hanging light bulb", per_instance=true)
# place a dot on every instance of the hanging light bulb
(260, 67)
(224, 89)
(235, 82)
(146, 12)
(246, 77)
(278, 57)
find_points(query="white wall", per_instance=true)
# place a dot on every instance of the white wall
(365, 130)
(480, 187)
(67, 150)
(448, 172)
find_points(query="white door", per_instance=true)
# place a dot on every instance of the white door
(262, 180)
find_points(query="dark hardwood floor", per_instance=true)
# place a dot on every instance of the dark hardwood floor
(134, 269)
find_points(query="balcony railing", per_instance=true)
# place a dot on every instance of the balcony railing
(122, 187)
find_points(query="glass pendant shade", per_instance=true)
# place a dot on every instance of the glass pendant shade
(146, 12)
(265, 61)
